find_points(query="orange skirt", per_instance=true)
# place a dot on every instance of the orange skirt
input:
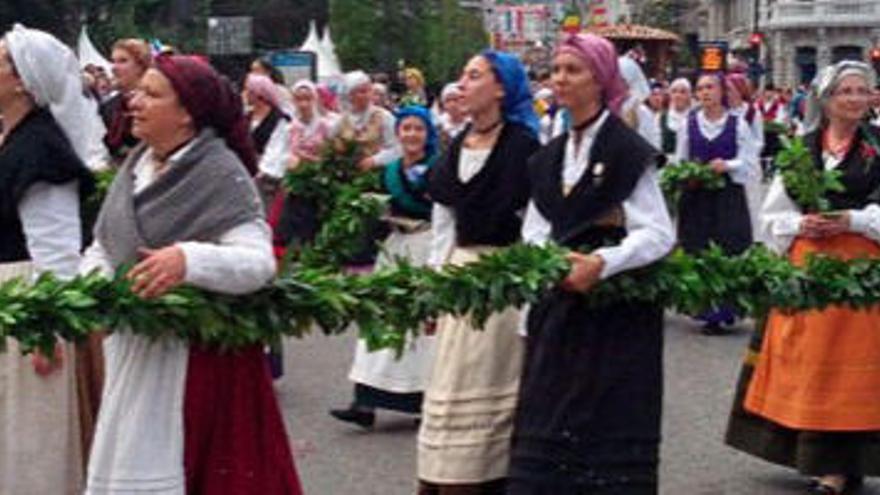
(820, 370)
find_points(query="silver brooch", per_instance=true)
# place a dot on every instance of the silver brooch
(598, 174)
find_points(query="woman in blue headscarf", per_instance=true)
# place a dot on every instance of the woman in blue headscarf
(479, 189)
(382, 380)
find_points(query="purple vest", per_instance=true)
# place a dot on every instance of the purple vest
(704, 150)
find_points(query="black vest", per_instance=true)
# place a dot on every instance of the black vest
(585, 218)
(36, 150)
(264, 130)
(860, 170)
(487, 207)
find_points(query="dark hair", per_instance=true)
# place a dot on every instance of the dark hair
(273, 72)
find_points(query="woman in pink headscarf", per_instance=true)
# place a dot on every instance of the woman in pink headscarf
(270, 131)
(588, 418)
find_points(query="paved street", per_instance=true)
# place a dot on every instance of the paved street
(335, 459)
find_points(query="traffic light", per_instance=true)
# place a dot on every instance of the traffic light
(755, 39)
(875, 55)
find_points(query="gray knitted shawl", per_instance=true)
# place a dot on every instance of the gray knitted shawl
(200, 196)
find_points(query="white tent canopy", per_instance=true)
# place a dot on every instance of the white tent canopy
(88, 54)
(328, 64)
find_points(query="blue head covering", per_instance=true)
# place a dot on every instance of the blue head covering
(517, 106)
(425, 116)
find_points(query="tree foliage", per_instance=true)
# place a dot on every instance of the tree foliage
(437, 36)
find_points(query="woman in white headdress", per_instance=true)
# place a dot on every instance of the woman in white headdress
(42, 178)
(807, 396)
(634, 111)
(371, 126)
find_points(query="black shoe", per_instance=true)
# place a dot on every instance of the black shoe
(851, 486)
(713, 329)
(361, 417)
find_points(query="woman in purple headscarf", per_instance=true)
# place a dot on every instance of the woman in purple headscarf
(588, 418)
(722, 140)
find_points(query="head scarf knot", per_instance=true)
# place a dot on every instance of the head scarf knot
(824, 85)
(517, 107)
(601, 58)
(424, 115)
(211, 101)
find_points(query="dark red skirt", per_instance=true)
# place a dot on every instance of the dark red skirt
(235, 440)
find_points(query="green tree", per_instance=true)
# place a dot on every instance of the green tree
(437, 36)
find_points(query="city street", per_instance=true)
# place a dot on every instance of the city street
(337, 459)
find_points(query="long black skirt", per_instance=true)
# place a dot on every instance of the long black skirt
(812, 453)
(715, 216)
(588, 419)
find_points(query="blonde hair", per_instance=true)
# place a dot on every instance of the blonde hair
(138, 49)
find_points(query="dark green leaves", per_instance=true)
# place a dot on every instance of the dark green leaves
(688, 175)
(806, 182)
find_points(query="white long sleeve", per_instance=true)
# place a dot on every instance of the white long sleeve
(442, 235)
(650, 234)
(780, 220)
(390, 146)
(277, 153)
(50, 219)
(241, 261)
(649, 127)
(536, 229)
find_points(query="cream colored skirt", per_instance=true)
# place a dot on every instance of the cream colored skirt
(467, 414)
(40, 445)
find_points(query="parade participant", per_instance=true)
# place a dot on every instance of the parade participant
(453, 118)
(382, 379)
(42, 179)
(131, 58)
(676, 114)
(371, 126)
(722, 140)
(634, 111)
(329, 104)
(270, 131)
(595, 191)
(739, 101)
(658, 99)
(771, 105)
(263, 67)
(294, 221)
(415, 88)
(807, 394)
(180, 417)
(479, 191)
(381, 98)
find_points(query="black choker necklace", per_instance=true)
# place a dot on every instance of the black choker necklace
(589, 121)
(489, 128)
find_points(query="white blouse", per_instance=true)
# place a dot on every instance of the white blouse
(781, 218)
(145, 378)
(470, 162)
(50, 220)
(648, 127)
(273, 161)
(757, 127)
(650, 234)
(742, 169)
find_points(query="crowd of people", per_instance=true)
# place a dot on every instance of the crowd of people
(557, 398)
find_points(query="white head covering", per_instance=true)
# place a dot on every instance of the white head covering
(682, 82)
(316, 108)
(449, 90)
(634, 77)
(544, 94)
(355, 79)
(50, 74)
(826, 82)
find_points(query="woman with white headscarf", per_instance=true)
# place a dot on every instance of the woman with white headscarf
(634, 111)
(807, 396)
(42, 178)
(371, 126)
(680, 99)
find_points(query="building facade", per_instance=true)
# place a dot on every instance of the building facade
(800, 36)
